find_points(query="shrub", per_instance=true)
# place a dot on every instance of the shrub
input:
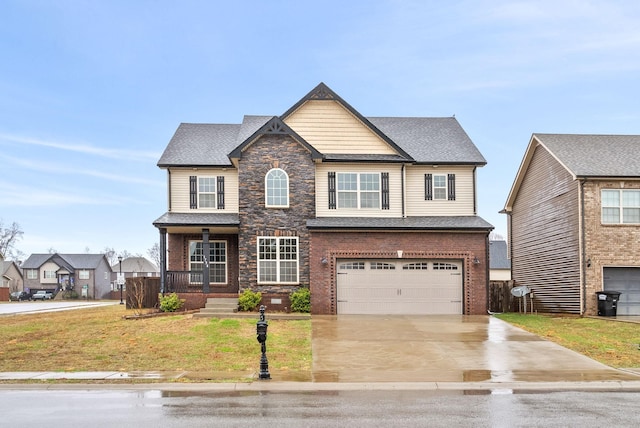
(70, 294)
(170, 303)
(249, 300)
(301, 300)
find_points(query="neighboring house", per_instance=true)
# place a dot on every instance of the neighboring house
(499, 263)
(133, 267)
(373, 214)
(574, 221)
(11, 276)
(87, 274)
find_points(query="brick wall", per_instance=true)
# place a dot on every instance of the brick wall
(274, 151)
(606, 245)
(437, 245)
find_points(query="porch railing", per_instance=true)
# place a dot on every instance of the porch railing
(183, 282)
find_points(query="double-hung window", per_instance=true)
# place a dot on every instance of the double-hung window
(358, 190)
(620, 206)
(217, 261)
(276, 189)
(278, 260)
(83, 274)
(207, 192)
(32, 273)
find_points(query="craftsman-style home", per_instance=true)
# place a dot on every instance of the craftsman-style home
(376, 215)
(574, 222)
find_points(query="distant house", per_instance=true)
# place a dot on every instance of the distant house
(499, 263)
(375, 215)
(574, 221)
(87, 274)
(11, 276)
(133, 267)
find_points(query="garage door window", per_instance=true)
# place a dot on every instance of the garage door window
(444, 266)
(352, 266)
(382, 266)
(415, 266)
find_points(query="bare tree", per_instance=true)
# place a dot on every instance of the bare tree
(111, 255)
(494, 236)
(8, 237)
(154, 254)
(52, 250)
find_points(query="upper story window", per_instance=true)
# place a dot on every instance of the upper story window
(49, 274)
(364, 190)
(206, 192)
(276, 184)
(32, 273)
(278, 260)
(620, 206)
(83, 274)
(439, 187)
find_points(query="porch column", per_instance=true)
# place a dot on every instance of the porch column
(163, 259)
(205, 261)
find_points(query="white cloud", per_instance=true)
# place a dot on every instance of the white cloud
(121, 154)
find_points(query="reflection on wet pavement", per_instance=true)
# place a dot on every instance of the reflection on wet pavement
(462, 348)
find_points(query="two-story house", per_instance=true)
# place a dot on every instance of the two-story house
(87, 274)
(574, 221)
(373, 214)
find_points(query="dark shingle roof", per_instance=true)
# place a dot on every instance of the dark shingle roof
(408, 223)
(595, 155)
(73, 261)
(197, 219)
(431, 139)
(498, 255)
(200, 144)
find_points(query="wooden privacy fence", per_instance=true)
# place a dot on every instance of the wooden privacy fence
(500, 297)
(143, 292)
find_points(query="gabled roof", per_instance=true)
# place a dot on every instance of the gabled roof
(498, 258)
(421, 140)
(275, 126)
(584, 156)
(6, 265)
(68, 261)
(135, 264)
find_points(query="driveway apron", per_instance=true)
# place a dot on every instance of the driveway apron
(442, 348)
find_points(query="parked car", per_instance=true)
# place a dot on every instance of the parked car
(42, 295)
(17, 296)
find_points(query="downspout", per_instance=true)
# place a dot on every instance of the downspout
(163, 260)
(475, 195)
(169, 188)
(583, 258)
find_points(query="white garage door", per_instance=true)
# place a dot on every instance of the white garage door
(399, 287)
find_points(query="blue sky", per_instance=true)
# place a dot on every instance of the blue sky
(92, 91)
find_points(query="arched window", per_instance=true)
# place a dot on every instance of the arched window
(277, 188)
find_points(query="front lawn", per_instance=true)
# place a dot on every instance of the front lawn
(614, 343)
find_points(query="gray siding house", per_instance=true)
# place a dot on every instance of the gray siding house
(574, 221)
(89, 275)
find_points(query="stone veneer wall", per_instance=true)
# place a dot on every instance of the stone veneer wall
(274, 151)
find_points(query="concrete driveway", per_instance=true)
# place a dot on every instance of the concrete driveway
(451, 348)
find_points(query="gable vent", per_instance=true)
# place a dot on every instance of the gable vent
(275, 127)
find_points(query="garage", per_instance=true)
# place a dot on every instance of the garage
(392, 286)
(627, 281)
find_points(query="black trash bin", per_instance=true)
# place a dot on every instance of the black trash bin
(608, 303)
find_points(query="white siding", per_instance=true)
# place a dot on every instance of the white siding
(416, 204)
(330, 128)
(322, 190)
(180, 189)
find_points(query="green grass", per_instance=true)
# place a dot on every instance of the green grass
(99, 339)
(616, 344)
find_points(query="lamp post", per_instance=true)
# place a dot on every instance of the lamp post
(120, 279)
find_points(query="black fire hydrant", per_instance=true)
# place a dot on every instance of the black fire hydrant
(261, 329)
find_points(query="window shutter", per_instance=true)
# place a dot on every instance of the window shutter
(332, 190)
(428, 187)
(220, 192)
(385, 190)
(193, 192)
(451, 187)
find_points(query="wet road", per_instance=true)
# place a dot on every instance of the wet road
(155, 408)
